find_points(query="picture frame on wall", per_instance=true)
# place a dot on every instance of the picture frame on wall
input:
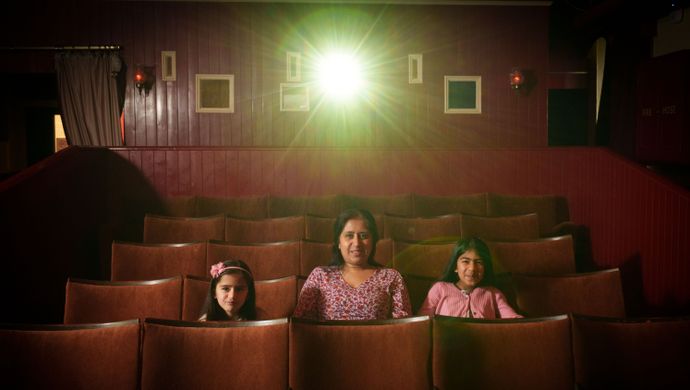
(462, 94)
(294, 97)
(215, 93)
(293, 66)
(414, 69)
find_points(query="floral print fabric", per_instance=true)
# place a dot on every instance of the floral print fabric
(327, 296)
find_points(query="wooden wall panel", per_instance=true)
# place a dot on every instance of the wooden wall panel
(250, 41)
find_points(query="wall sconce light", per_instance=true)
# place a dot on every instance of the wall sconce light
(144, 77)
(517, 79)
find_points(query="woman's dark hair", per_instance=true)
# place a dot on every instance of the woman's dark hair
(462, 246)
(339, 225)
(212, 309)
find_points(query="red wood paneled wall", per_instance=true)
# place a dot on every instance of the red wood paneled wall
(251, 41)
(634, 216)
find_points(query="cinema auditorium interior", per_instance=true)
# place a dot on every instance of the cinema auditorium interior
(143, 143)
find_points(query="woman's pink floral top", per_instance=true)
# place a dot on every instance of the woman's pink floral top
(326, 296)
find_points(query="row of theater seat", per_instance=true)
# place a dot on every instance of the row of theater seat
(562, 352)
(86, 301)
(552, 209)
(166, 229)
(138, 261)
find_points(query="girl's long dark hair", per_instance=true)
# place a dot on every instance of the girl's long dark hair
(212, 309)
(339, 225)
(462, 246)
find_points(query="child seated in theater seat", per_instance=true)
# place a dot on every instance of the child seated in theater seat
(464, 289)
(231, 295)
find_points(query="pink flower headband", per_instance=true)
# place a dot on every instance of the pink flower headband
(219, 268)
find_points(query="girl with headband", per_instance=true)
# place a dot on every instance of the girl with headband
(231, 295)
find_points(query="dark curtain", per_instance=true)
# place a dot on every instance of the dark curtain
(89, 98)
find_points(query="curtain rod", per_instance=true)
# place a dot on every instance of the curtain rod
(56, 48)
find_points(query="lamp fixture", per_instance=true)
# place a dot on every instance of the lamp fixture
(144, 77)
(517, 78)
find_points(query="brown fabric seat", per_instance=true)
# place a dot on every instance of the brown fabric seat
(288, 206)
(389, 354)
(431, 206)
(162, 229)
(314, 254)
(418, 288)
(237, 207)
(551, 209)
(135, 261)
(422, 258)
(402, 205)
(512, 228)
(593, 293)
(215, 355)
(267, 261)
(94, 356)
(553, 255)
(441, 228)
(320, 229)
(502, 354)
(635, 353)
(275, 298)
(253, 231)
(91, 301)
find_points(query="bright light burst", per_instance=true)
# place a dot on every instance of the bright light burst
(340, 75)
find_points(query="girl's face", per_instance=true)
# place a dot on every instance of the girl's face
(231, 293)
(470, 269)
(355, 243)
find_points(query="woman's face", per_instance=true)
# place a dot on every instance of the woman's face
(231, 293)
(470, 269)
(355, 243)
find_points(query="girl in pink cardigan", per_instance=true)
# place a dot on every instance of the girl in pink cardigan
(464, 289)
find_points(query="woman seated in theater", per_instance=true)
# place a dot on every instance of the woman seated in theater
(231, 295)
(464, 289)
(354, 286)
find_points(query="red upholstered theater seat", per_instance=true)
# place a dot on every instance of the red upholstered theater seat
(253, 231)
(91, 301)
(517, 227)
(135, 261)
(402, 205)
(593, 293)
(441, 228)
(162, 229)
(432, 206)
(422, 258)
(320, 229)
(640, 353)
(254, 207)
(288, 206)
(552, 255)
(275, 298)
(215, 355)
(388, 354)
(94, 356)
(502, 354)
(418, 288)
(551, 209)
(266, 261)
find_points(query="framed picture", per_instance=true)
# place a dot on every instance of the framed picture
(168, 66)
(414, 69)
(294, 97)
(294, 66)
(215, 93)
(462, 94)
